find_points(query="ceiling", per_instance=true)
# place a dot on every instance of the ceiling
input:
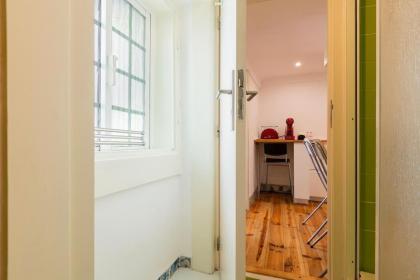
(283, 32)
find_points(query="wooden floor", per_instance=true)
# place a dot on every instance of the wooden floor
(276, 239)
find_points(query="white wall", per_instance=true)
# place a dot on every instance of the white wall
(142, 218)
(252, 115)
(50, 141)
(140, 232)
(162, 74)
(201, 138)
(302, 97)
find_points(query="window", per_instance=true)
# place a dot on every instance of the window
(137, 92)
(122, 75)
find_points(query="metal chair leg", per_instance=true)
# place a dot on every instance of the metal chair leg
(319, 238)
(314, 211)
(317, 231)
(323, 274)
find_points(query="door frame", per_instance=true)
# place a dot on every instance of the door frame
(217, 148)
(342, 138)
(3, 144)
(239, 126)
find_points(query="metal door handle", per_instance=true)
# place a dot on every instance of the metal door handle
(230, 92)
(223, 91)
(251, 95)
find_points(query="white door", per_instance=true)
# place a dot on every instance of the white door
(232, 139)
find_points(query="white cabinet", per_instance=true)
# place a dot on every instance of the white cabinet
(307, 184)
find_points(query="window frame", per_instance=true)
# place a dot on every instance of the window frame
(116, 171)
(111, 70)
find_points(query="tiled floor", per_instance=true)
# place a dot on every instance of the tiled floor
(186, 274)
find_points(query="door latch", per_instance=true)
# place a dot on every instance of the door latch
(331, 113)
(251, 95)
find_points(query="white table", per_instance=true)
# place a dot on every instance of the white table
(305, 181)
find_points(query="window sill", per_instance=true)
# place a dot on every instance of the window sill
(117, 171)
(141, 153)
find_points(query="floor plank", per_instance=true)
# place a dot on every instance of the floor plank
(276, 239)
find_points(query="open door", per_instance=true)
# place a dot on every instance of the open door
(232, 139)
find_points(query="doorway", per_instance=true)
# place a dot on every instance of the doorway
(287, 66)
(279, 189)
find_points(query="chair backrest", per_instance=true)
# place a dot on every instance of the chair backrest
(275, 149)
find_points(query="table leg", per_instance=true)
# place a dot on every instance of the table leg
(258, 171)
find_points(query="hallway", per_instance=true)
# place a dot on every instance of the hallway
(276, 239)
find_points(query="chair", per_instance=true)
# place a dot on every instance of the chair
(276, 155)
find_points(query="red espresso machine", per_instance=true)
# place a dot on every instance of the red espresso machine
(289, 129)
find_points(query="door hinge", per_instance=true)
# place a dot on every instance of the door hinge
(218, 243)
(218, 22)
(218, 4)
(218, 132)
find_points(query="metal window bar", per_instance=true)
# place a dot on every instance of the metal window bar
(98, 63)
(118, 138)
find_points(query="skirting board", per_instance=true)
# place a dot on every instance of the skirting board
(179, 262)
(252, 198)
(366, 276)
(316, 198)
(300, 201)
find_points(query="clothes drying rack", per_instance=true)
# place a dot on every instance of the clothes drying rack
(318, 155)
